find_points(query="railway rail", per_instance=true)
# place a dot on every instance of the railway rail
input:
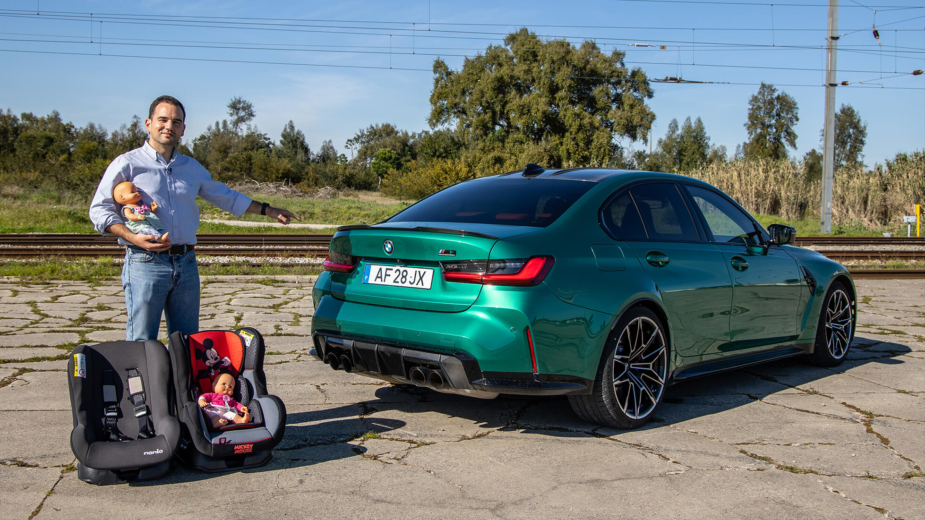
(280, 247)
(81, 245)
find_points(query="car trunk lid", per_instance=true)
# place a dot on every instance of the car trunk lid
(418, 251)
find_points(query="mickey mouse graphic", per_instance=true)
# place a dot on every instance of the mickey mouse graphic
(210, 357)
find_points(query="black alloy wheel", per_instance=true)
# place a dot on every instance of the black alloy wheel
(836, 327)
(631, 379)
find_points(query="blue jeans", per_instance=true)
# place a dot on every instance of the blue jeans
(158, 284)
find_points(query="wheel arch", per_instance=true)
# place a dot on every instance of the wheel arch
(647, 303)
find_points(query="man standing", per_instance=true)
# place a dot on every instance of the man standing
(163, 278)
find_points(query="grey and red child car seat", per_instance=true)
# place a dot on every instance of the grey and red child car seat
(123, 429)
(196, 359)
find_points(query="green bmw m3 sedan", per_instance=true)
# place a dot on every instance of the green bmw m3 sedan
(603, 285)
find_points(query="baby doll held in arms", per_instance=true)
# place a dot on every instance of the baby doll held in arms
(219, 406)
(140, 217)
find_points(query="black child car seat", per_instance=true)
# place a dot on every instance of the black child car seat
(123, 430)
(196, 359)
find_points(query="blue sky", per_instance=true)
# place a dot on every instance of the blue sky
(332, 76)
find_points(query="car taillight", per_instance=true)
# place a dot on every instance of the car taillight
(339, 262)
(517, 272)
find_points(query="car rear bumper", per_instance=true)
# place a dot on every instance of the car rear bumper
(455, 372)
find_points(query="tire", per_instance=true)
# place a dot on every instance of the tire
(637, 352)
(836, 328)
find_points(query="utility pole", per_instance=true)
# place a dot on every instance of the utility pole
(828, 154)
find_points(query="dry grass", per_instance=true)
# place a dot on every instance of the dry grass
(872, 198)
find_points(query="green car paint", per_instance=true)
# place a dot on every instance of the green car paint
(713, 309)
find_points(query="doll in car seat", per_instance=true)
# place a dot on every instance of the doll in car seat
(219, 406)
(140, 218)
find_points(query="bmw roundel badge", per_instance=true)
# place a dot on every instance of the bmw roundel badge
(388, 247)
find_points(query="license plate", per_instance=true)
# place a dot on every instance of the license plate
(396, 276)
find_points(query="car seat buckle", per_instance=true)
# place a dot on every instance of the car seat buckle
(141, 411)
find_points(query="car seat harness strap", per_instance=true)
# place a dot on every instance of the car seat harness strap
(110, 407)
(136, 390)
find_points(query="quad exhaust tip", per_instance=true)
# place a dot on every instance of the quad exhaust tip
(435, 380)
(333, 361)
(424, 377)
(418, 377)
(346, 364)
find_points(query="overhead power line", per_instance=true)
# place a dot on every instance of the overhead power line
(290, 26)
(368, 67)
(407, 23)
(284, 28)
(110, 42)
(766, 4)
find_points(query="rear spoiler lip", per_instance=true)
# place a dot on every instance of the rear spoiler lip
(447, 231)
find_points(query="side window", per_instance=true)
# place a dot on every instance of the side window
(664, 213)
(727, 222)
(622, 218)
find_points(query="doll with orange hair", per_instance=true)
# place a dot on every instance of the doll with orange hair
(140, 218)
(219, 406)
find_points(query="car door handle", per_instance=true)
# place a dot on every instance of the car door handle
(739, 263)
(657, 259)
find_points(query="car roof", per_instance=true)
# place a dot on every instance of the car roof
(592, 174)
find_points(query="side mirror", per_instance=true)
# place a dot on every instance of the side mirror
(782, 235)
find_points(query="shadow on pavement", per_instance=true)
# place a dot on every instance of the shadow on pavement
(553, 415)
(302, 445)
(320, 436)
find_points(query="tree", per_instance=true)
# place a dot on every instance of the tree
(546, 100)
(850, 137)
(9, 131)
(772, 117)
(241, 112)
(439, 144)
(812, 165)
(327, 154)
(45, 140)
(90, 143)
(292, 144)
(380, 137)
(694, 146)
(383, 161)
(718, 154)
(667, 155)
(128, 137)
(684, 149)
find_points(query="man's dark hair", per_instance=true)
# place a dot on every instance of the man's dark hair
(169, 100)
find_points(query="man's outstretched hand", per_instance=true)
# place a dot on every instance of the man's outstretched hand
(284, 216)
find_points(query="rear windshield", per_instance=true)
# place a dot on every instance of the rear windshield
(505, 201)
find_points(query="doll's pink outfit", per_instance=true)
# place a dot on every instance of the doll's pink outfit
(221, 405)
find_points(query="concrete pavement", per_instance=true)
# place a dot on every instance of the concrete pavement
(784, 440)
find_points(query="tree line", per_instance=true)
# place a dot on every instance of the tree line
(528, 100)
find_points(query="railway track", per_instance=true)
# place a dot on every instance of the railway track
(316, 246)
(80, 245)
(859, 241)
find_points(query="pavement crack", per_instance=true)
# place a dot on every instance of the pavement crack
(867, 419)
(882, 511)
(783, 467)
(65, 470)
(8, 380)
(16, 463)
(641, 447)
(323, 393)
(479, 435)
(514, 421)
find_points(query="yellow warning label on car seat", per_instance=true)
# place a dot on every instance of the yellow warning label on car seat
(80, 365)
